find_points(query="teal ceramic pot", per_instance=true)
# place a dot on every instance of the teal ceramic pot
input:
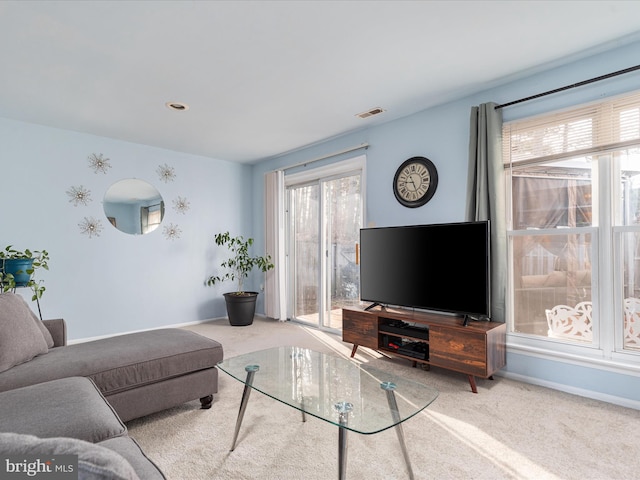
(18, 268)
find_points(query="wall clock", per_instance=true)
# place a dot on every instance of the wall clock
(415, 182)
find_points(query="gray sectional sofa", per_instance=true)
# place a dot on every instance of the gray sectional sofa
(84, 392)
(70, 416)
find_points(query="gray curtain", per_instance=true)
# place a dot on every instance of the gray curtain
(486, 194)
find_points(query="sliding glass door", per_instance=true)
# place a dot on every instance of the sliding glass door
(324, 217)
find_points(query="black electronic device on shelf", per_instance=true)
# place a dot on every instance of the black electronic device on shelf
(419, 350)
(391, 342)
(403, 328)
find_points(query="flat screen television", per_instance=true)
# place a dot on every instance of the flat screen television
(439, 267)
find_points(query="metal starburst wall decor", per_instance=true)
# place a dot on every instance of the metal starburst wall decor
(98, 163)
(181, 205)
(166, 173)
(79, 196)
(171, 232)
(90, 226)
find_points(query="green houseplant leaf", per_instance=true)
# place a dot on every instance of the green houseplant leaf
(240, 263)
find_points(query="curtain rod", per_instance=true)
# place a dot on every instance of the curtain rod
(568, 87)
(323, 157)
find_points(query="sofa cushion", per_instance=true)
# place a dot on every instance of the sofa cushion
(45, 331)
(95, 462)
(123, 362)
(20, 336)
(533, 281)
(39, 323)
(556, 279)
(69, 407)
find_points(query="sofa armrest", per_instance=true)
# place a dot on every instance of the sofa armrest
(58, 330)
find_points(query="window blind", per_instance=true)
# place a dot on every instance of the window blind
(609, 125)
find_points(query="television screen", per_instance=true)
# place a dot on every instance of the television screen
(440, 267)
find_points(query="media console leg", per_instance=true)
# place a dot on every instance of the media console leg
(472, 382)
(354, 349)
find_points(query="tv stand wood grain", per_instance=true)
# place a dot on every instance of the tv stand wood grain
(476, 350)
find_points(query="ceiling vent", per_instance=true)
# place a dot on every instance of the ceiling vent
(371, 113)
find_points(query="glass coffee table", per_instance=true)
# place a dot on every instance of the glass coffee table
(353, 397)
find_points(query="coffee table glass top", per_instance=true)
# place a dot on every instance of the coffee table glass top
(323, 385)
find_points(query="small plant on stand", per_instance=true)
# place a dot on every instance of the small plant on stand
(17, 269)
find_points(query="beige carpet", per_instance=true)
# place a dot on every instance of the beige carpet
(508, 430)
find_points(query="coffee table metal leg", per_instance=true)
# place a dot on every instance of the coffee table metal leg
(389, 387)
(343, 409)
(304, 416)
(251, 371)
(296, 364)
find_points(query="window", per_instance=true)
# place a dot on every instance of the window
(151, 217)
(324, 210)
(573, 181)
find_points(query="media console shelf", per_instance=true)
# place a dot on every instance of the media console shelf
(476, 350)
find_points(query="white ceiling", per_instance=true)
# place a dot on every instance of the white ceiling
(266, 77)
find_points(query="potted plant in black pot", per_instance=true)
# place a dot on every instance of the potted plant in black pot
(241, 305)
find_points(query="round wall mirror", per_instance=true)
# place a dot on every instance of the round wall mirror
(134, 206)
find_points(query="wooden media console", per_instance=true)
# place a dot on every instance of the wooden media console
(476, 350)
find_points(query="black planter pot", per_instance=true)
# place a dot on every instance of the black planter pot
(241, 307)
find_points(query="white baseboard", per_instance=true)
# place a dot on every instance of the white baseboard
(621, 401)
(175, 325)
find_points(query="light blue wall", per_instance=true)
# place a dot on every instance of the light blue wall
(117, 282)
(442, 135)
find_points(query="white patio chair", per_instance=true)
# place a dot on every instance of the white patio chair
(632, 322)
(571, 323)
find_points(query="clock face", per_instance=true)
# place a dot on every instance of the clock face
(415, 182)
